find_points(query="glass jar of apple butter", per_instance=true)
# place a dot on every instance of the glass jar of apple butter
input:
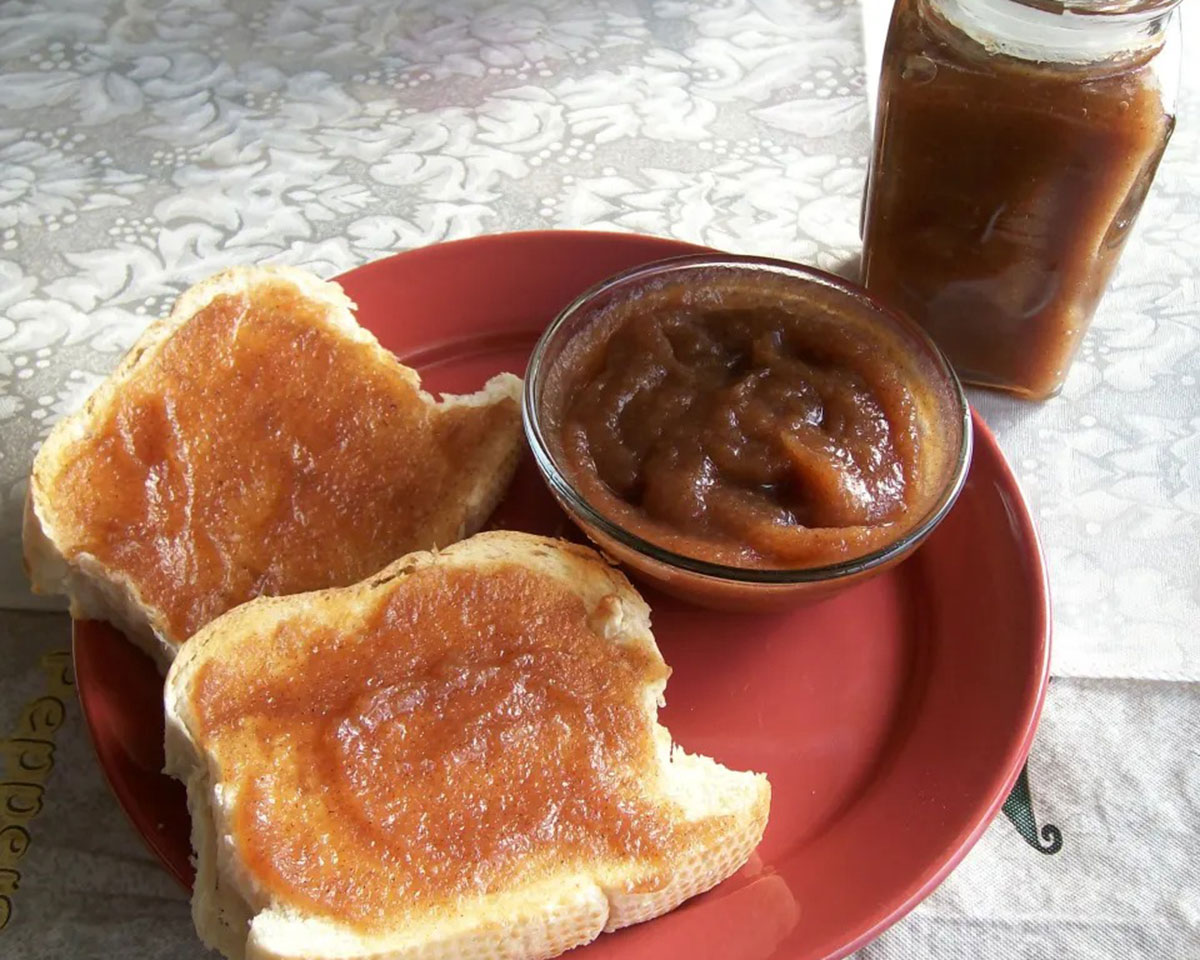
(1014, 145)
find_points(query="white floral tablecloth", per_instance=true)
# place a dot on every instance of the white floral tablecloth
(144, 145)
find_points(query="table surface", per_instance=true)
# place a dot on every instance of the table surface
(144, 148)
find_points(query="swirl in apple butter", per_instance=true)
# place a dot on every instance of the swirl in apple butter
(754, 418)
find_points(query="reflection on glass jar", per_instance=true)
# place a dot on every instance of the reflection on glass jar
(1015, 143)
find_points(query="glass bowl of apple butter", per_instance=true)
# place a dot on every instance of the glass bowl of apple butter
(744, 432)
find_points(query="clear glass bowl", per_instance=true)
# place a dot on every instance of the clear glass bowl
(718, 585)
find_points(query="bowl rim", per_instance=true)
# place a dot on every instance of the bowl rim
(562, 488)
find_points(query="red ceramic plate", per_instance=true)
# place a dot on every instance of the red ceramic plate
(892, 719)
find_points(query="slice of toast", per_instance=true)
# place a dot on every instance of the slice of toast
(459, 757)
(256, 441)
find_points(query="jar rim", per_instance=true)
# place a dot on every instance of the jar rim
(1082, 32)
(1103, 8)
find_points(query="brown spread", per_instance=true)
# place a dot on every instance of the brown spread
(1001, 193)
(258, 453)
(750, 422)
(467, 730)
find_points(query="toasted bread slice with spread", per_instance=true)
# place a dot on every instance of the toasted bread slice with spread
(457, 757)
(256, 441)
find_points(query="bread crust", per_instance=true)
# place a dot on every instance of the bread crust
(53, 562)
(546, 914)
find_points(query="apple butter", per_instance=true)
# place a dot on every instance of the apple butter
(460, 730)
(751, 419)
(1005, 179)
(259, 452)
